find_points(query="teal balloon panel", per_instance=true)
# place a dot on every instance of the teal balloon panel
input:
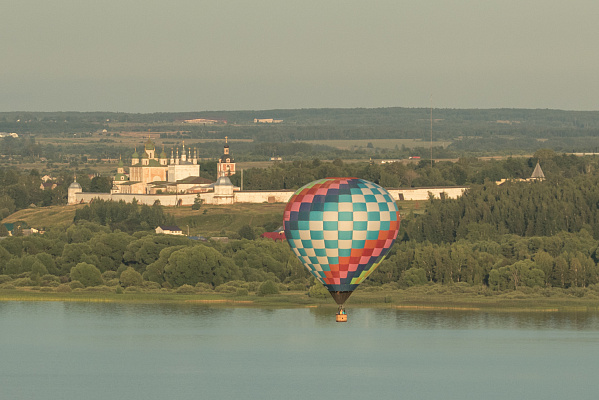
(341, 229)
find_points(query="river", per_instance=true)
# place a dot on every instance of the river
(56, 350)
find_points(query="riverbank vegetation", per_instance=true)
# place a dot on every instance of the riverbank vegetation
(460, 297)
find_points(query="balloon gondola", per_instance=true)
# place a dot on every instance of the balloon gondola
(341, 229)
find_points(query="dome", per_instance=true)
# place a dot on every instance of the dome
(75, 185)
(163, 154)
(135, 155)
(223, 181)
(149, 144)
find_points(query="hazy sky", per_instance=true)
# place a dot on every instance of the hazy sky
(195, 55)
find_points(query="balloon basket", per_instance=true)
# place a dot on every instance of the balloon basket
(341, 317)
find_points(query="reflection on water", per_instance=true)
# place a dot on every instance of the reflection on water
(464, 319)
(456, 319)
(57, 350)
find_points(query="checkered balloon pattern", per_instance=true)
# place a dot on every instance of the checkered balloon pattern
(341, 229)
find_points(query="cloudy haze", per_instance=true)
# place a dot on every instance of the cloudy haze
(184, 55)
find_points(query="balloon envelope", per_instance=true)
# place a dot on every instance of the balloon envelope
(341, 229)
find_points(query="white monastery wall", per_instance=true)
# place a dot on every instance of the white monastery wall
(260, 196)
(148, 199)
(419, 194)
(283, 196)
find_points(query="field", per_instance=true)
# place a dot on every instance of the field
(223, 220)
(377, 143)
(208, 221)
(129, 140)
(45, 217)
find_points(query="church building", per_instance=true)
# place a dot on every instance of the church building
(226, 163)
(184, 166)
(151, 173)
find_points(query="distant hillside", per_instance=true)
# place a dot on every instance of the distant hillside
(45, 217)
(392, 116)
(208, 221)
(472, 132)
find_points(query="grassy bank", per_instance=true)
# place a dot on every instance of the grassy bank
(45, 217)
(225, 220)
(434, 297)
(208, 221)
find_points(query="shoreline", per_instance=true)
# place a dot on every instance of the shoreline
(401, 300)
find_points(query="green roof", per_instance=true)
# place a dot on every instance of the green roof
(151, 163)
(117, 177)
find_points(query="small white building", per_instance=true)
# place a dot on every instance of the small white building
(169, 230)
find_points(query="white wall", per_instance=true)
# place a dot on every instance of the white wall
(149, 199)
(423, 193)
(283, 196)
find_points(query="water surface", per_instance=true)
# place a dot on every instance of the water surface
(55, 350)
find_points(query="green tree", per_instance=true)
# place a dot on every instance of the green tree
(130, 277)
(155, 271)
(87, 274)
(101, 184)
(144, 251)
(413, 277)
(317, 291)
(544, 261)
(74, 253)
(200, 264)
(4, 258)
(268, 287)
(197, 203)
(247, 232)
(109, 249)
(7, 206)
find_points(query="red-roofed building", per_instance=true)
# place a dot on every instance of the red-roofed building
(278, 235)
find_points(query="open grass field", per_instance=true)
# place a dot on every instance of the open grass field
(377, 143)
(224, 220)
(45, 217)
(130, 140)
(209, 221)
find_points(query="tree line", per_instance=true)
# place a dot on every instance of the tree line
(102, 255)
(466, 171)
(524, 209)
(23, 189)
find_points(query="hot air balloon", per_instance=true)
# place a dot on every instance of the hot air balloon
(341, 229)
